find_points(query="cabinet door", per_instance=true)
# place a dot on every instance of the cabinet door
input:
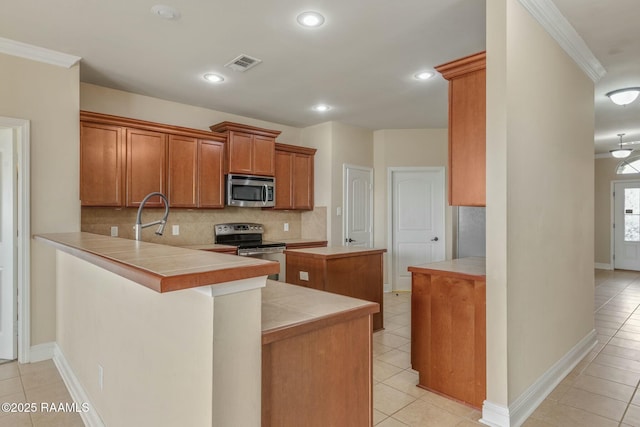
(183, 171)
(146, 165)
(101, 165)
(240, 152)
(284, 180)
(467, 140)
(302, 180)
(210, 174)
(263, 155)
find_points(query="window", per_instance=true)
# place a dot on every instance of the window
(629, 165)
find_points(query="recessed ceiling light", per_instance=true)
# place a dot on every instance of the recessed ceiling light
(423, 75)
(213, 78)
(310, 19)
(166, 12)
(321, 108)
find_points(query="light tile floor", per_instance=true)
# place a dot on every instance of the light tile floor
(34, 383)
(601, 391)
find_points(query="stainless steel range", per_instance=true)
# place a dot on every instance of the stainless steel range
(248, 238)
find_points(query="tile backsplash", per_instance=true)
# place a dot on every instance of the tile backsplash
(196, 225)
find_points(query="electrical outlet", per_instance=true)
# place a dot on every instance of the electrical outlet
(304, 275)
(114, 231)
(286, 226)
(100, 377)
(338, 211)
(175, 230)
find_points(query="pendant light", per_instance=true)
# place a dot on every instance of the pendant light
(621, 153)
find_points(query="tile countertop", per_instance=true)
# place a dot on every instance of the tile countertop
(289, 310)
(466, 268)
(335, 252)
(162, 268)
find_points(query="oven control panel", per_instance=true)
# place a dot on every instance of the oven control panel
(238, 228)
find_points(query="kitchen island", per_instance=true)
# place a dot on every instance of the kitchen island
(316, 358)
(448, 347)
(346, 270)
(158, 335)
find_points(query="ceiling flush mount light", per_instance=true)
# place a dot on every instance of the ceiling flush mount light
(621, 153)
(213, 78)
(310, 19)
(624, 96)
(321, 108)
(166, 12)
(423, 75)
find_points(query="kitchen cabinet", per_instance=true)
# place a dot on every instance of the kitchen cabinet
(294, 177)
(448, 328)
(467, 129)
(316, 364)
(195, 175)
(146, 166)
(122, 160)
(101, 165)
(250, 150)
(345, 270)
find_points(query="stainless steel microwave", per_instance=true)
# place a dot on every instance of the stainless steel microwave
(249, 191)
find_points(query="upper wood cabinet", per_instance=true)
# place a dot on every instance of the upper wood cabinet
(250, 150)
(467, 129)
(123, 160)
(294, 177)
(210, 174)
(146, 170)
(101, 165)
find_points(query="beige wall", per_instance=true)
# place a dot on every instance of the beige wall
(48, 96)
(403, 148)
(540, 202)
(110, 101)
(605, 174)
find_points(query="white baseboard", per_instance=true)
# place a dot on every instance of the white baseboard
(40, 352)
(516, 414)
(603, 266)
(91, 417)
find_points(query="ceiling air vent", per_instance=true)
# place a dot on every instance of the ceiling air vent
(243, 63)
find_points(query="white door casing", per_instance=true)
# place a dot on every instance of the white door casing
(358, 206)
(416, 220)
(8, 246)
(626, 225)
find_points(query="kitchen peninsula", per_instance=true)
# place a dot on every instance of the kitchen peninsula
(184, 324)
(448, 347)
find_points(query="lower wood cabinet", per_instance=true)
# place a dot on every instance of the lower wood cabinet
(448, 338)
(349, 271)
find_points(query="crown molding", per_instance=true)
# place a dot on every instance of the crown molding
(554, 22)
(37, 53)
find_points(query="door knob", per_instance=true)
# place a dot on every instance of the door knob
(435, 239)
(349, 240)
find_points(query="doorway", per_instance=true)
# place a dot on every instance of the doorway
(14, 239)
(626, 225)
(358, 206)
(416, 220)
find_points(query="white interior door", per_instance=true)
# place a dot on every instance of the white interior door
(626, 231)
(417, 221)
(358, 215)
(8, 246)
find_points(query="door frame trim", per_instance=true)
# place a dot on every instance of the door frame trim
(345, 185)
(24, 233)
(612, 217)
(389, 195)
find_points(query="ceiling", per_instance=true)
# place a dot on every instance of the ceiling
(361, 61)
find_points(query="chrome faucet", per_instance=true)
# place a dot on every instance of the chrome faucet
(163, 222)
